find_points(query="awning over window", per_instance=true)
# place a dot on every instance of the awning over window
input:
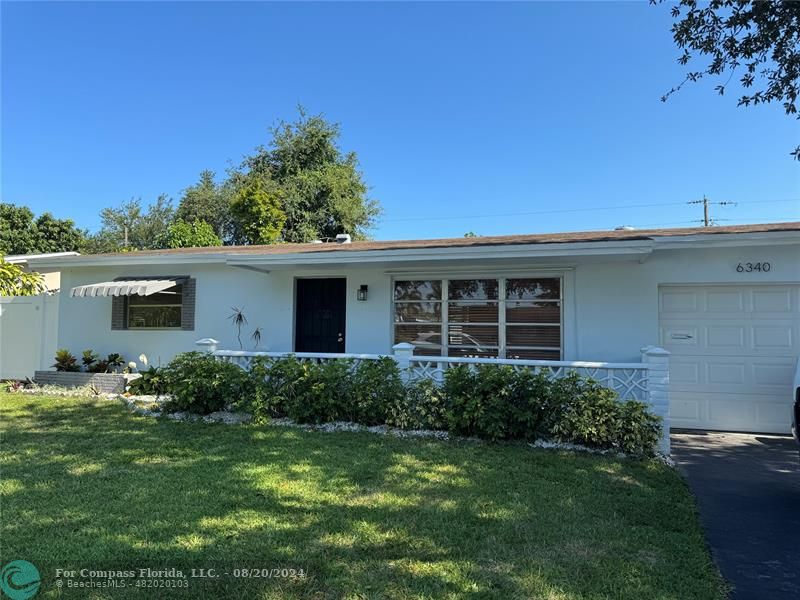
(133, 287)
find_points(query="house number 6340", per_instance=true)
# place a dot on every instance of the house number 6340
(750, 267)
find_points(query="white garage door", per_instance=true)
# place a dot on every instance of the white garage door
(734, 350)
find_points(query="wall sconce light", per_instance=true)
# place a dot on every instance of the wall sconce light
(361, 294)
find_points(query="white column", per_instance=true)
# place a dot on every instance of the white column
(207, 344)
(402, 354)
(658, 388)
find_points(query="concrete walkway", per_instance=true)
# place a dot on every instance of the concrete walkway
(748, 490)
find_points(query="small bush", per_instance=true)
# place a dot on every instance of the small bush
(151, 382)
(422, 406)
(199, 383)
(592, 415)
(374, 387)
(322, 392)
(276, 383)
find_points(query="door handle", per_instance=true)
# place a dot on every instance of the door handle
(680, 336)
(340, 338)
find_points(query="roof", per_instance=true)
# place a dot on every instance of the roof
(498, 240)
(23, 258)
(635, 240)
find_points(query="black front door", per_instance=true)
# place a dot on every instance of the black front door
(319, 315)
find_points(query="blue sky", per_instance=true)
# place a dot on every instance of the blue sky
(494, 118)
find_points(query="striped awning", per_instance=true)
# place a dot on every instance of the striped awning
(132, 287)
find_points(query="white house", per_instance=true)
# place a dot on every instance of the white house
(724, 301)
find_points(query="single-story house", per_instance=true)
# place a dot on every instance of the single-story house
(724, 301)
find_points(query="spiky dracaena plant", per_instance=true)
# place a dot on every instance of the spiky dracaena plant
(239, 320)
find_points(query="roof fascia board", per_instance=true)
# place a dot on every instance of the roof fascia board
(727, 240)
(132, 260)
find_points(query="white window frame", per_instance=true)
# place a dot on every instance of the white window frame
(445, 278)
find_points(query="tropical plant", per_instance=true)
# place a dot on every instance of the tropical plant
(239, 320)
(16, 281)
(89, 358)
(66, 361)
(256, 337)
(150, 382)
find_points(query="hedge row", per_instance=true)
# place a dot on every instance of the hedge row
(494, 402)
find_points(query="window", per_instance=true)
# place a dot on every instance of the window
(418, 315)
(161, 310)
(499, 318)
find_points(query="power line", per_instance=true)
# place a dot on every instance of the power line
(570, 210)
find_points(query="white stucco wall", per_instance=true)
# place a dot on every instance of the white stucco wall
(610, 308)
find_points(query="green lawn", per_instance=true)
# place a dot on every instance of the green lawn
(85, 484)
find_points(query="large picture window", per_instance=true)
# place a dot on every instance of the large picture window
(500, 318)
(157, 311)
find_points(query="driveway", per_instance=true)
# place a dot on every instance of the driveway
(748, 489)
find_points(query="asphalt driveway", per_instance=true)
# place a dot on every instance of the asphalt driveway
(748, 490)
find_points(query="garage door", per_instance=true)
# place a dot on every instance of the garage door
(734, 350)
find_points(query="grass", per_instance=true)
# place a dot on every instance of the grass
(85, 484)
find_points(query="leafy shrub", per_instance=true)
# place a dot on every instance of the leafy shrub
(638, 430)
(150, 382)
(532, 404)
(479, 400)
(199, 383)
(276, 383)
(66, 361)
(592, 415)
(322, 392)
(375, 386)
(422, 406)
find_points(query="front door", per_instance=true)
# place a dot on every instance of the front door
(320, 315)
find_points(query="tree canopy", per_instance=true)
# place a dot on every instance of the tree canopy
(257, 212)
(142, 228)
(21, 233)
(198, 234)
(209, 202)
(324, 192)
(756, 42)
(299, 187)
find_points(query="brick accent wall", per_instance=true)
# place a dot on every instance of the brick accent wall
(105, 383)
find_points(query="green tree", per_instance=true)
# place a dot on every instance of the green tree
(21, 233)
(210, 202)
(324, 192)
(757, 42)
(144, 229)
(198, 234)
(257, 212)
(15, 281)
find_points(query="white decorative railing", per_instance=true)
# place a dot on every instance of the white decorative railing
(244, 358)
(629, 380)
(647, 381)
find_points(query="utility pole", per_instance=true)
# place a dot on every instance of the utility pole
(126, 237)
(707, 220)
